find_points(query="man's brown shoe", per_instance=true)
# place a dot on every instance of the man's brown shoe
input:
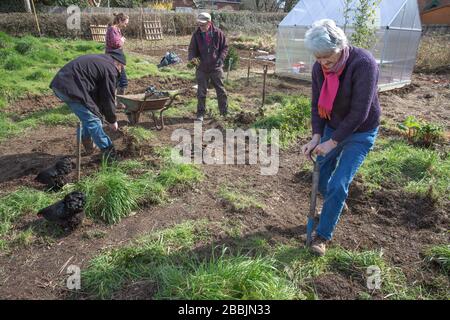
(89, 146)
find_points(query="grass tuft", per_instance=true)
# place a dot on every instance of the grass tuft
(142, 259)
(239, 201)
(440, 255)
(290, 114)
(111, 195)
(227, 278)
(414, 169)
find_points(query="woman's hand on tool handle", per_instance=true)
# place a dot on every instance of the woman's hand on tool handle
(325, 147)
(307, 148)
(114, 126)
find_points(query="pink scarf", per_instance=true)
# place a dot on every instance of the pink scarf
(331, 85)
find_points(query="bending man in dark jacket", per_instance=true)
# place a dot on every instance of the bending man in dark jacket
(208, 44)
(87, 84)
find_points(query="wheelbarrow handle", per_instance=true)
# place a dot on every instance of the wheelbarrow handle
(172, 98)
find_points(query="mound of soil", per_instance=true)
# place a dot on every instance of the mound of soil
(245, 118)
(334, 286)
(396, 207)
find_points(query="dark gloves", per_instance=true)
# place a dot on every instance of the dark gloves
(219, 63)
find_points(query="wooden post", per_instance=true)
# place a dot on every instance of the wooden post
(230, 62)
(264, 86)
(141, 26)
(79, 151)
(36, 18)
(174, 31)
(249, 65)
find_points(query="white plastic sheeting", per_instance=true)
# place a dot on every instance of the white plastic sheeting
(397, 38)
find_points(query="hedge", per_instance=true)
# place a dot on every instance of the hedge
(54, 25)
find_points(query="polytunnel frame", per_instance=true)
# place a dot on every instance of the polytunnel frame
(385, 30)
(401, 83)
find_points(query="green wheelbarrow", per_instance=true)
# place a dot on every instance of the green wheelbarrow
(136, 104)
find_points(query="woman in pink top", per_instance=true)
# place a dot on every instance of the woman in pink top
(116, 40)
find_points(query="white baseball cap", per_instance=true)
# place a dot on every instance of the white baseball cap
(204, 17)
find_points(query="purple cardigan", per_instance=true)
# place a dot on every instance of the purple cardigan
(356, 107)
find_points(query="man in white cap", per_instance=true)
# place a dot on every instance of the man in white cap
(209, 46)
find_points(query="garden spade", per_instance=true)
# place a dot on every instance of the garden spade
(79, 152)
(311, 224)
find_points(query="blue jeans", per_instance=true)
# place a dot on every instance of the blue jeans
(91, 125)
(123, 80)
(337, 170)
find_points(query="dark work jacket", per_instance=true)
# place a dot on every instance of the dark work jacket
(90, 80)
(218, 49)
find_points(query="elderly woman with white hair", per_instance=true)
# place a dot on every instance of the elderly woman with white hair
(345, 118)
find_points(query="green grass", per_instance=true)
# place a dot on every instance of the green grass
(290, 114)
(24, 238)
(21, 202)
(150, 190)
(414, 169)
(227, 278)
(137, 139)
(172, 72)
(301, 264)
(53, 117)
(352, 263)
(168, 260)
(238, 199)
(140, 135)
(142, 259)
(212, 109)
(356, 264)
(303, 267)
(165, 259)
(131, 165)
(440, 255)
(187, 109)
(30, 63)
(179, 174)
(113, 193)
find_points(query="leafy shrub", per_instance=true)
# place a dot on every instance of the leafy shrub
(421, 133)
(234, 55)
